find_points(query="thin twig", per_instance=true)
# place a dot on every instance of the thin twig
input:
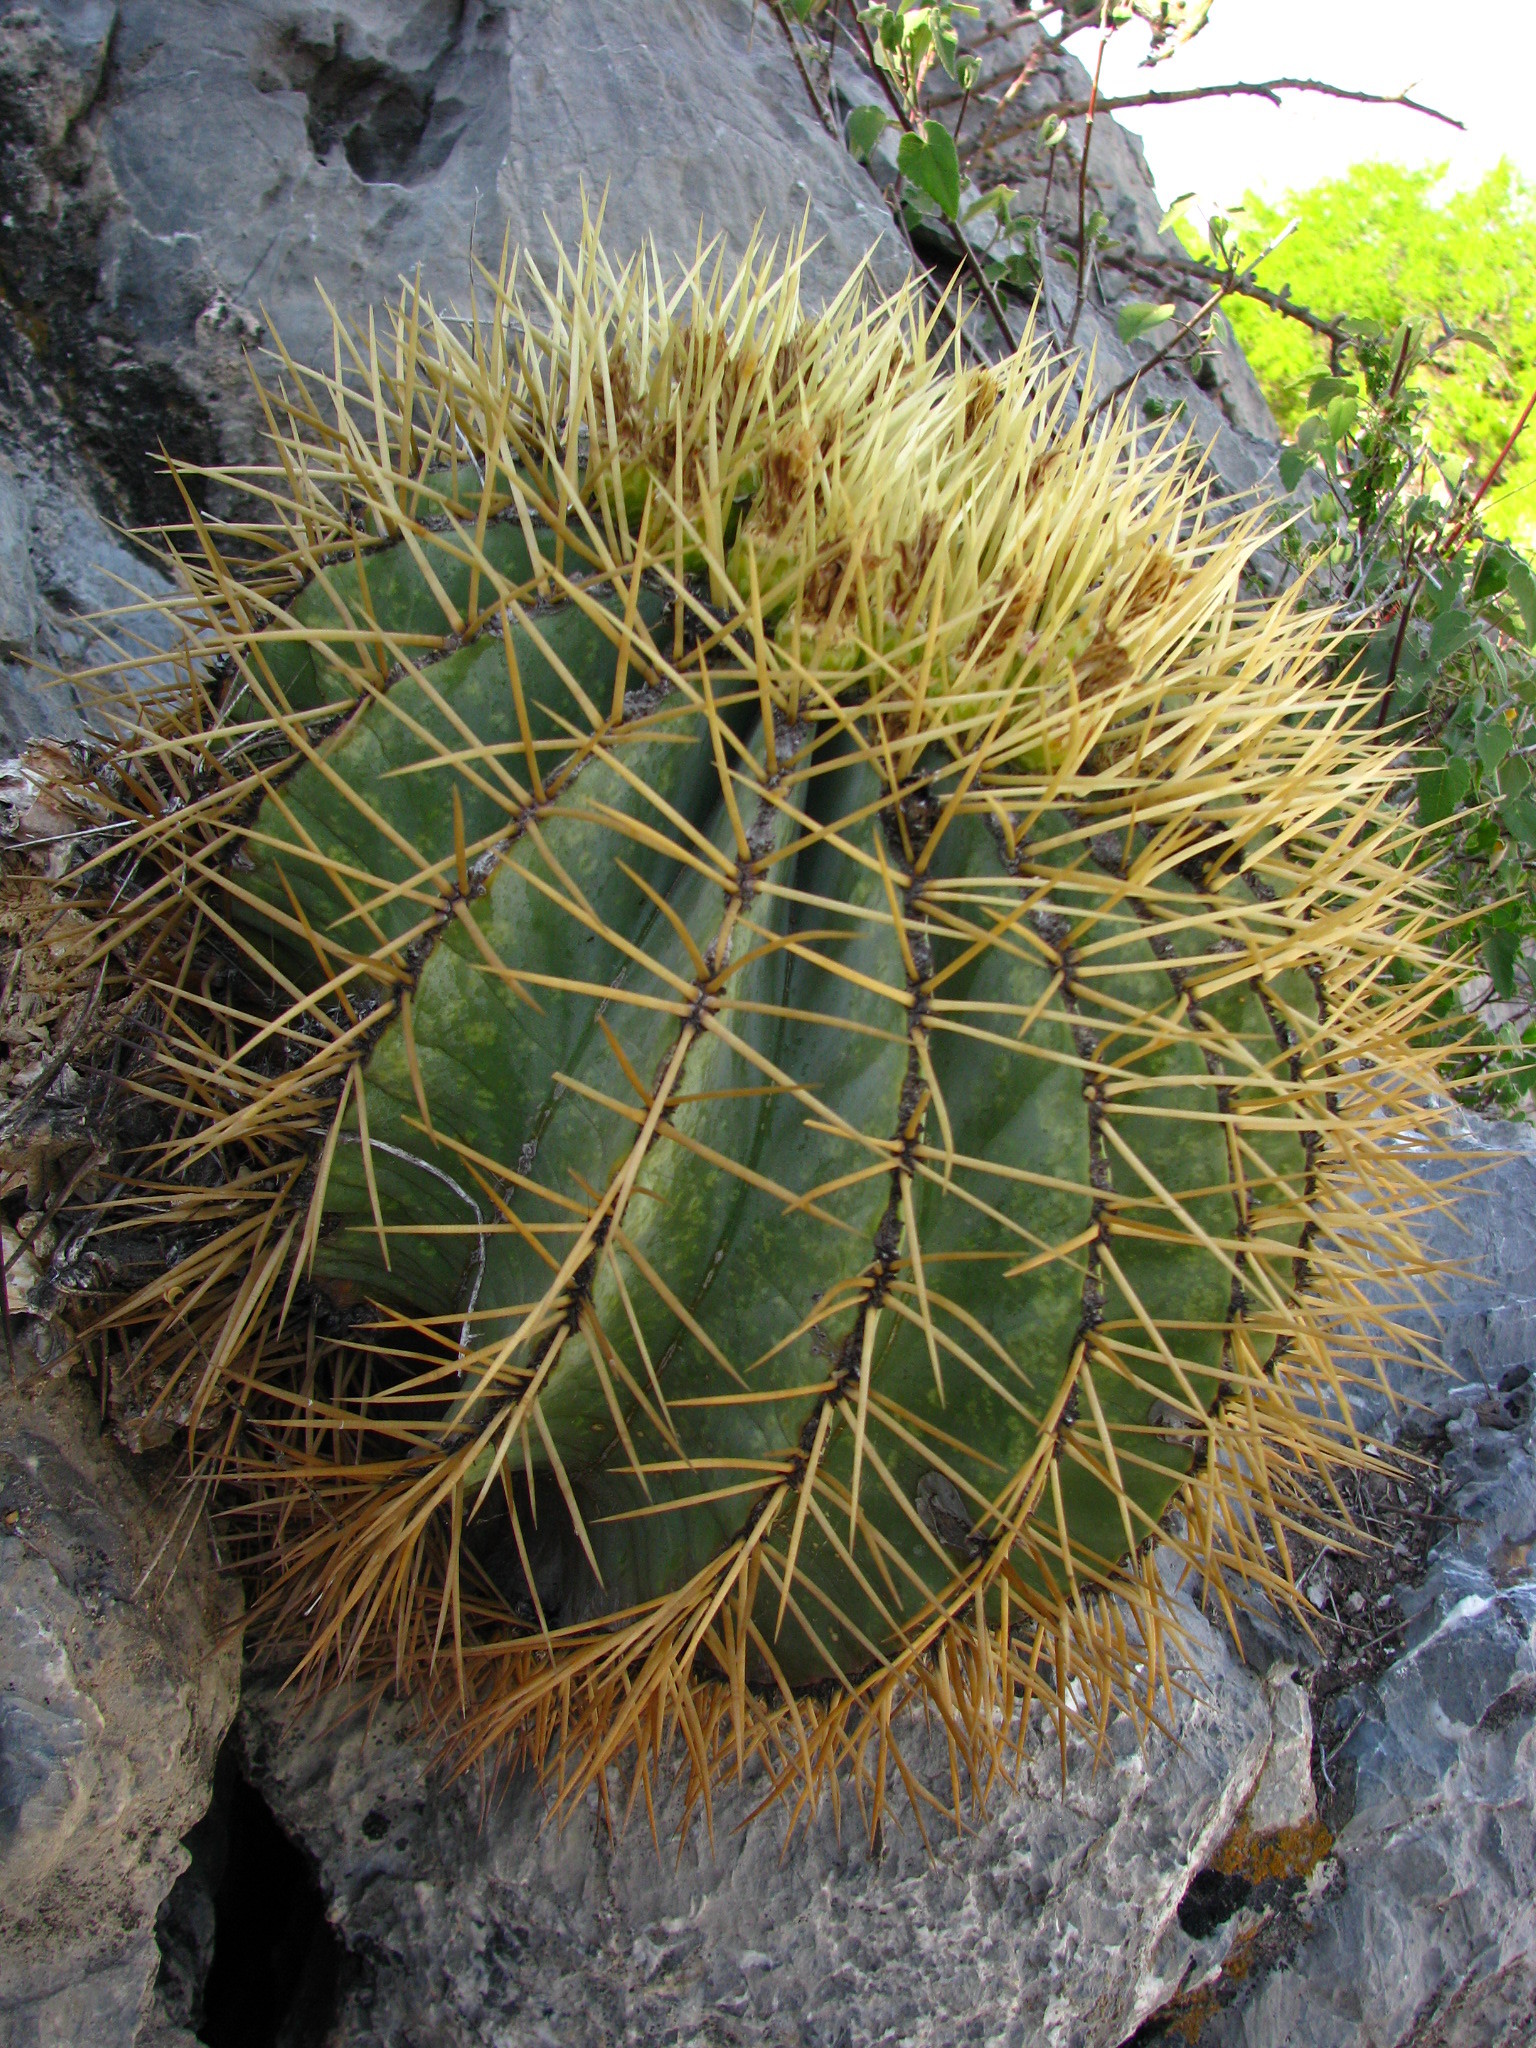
(1267, 89)
(1224, 290)
(1021, 78)
(823, 114)
(1154, 270)
(1504, 454)
(1082, 181)
(60, 1059)
(972, 260)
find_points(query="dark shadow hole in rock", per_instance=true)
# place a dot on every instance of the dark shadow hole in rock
(392, 128)
(1211, 1900)
(247, 1956)
(378, 117)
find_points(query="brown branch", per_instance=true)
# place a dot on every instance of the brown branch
(1082, 182)
(1154, 270)
(1504, 454)
(823, 112)
(1227, 286)
(972, 260)
(1020, 79)
(1268, 89)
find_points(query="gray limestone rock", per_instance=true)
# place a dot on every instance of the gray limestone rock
(1285, 1797)
(75, 567)
(684, 112)
(1039, 1926)
(183, 171)
(1426, 1937)
(112, 1706)
(18, 586)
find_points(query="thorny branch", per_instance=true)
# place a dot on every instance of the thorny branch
(823, 113)
(1155, 270)
(1267, 89)
(1203, 312)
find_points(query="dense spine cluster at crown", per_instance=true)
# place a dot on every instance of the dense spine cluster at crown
(770, 1019)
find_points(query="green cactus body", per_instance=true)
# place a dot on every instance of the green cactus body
(753, 1009)
(782, 1018)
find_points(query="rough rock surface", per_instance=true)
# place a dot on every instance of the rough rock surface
(112, 1708)
(180, 172)
(1038, 1927)
(177, 174)
(1424, 1935)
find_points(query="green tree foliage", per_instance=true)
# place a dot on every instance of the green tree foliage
(1381, 244)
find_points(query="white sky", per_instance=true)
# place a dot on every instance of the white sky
(1475, 59)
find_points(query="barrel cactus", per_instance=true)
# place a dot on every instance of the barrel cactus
(769, 1030)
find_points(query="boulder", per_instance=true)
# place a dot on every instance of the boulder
(476, 1922)
(181, 173)
(1423, 1930)
(118, 1680)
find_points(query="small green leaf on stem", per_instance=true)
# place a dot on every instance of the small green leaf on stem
(1294, 464)
(1501, 950)
(931, 162)
(1518, 815)
(1442, 785)
(1136, 319)
(865, 127)
(1453, 631)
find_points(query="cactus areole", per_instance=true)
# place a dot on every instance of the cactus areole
(795, 988)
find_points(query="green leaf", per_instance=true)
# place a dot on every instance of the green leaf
(1493, 743)
(1453, 630)
(931, 162)
(1500, 950)
(1342, 413)
(865, 127)
(1323, 389)
(1521, 584)
(1482, 839)
(1136, 319)
(1441, 789)
(1491, 575)
(1478, 340)
(1053, 132)
(1514, 776)
(1519, 816)
(1294, 464)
